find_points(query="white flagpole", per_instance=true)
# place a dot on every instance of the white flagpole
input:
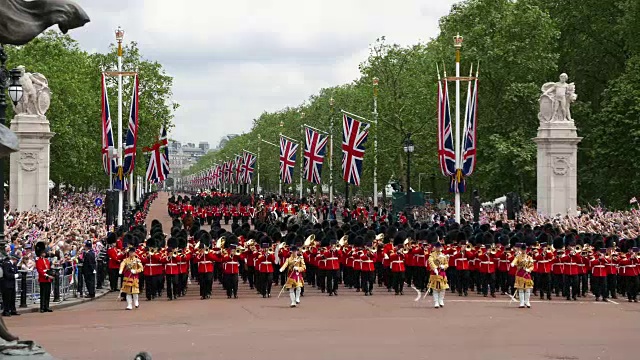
(375, 142)
(457, 45)
(331, 103)
(119, 38)
(258, 164)
(301, 156)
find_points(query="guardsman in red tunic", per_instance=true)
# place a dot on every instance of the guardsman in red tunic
(204, 258)
(264, 262)
(544, 260)
(368, 258)
(43, 266)
(612, 267)
(571, 259)
(598, 264)
(115, 257)
(230, 270)
(171, 268)
(183, 266)
(461, 261)
(396, 257)
(629, 264)
(487, 257)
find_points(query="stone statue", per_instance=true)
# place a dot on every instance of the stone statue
(21, 21)
(36, 96)
(556, 99)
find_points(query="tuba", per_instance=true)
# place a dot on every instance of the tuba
(220, 242)
(343, 241)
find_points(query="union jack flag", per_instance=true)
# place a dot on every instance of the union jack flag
(288, 150)
(446, 152)
(470, 132)
(158, 167)
(217, 175)
(228, 172)
(132, 132)
(314, 149)
(238, 168)
(248, 163)
(109, 165)
(354, 136)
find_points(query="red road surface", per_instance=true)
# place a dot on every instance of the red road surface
(349, 326)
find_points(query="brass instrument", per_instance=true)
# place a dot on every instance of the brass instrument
(220, 242)
(344, 241)
(577, 249)
(238, 251)
(493, 250)
(468, 247)
(310, 239)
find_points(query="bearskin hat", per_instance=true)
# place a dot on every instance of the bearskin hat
(358, 241)
(151, 242)
(40, 248)
(612, 241)
(558, 243)
(111, 238)
(172, 242)
(205, 240)
(127, 240)
(230, 239)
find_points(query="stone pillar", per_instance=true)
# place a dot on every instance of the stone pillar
(29, 169)
(557, 150)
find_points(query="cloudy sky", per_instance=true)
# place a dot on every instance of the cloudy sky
(232, 60)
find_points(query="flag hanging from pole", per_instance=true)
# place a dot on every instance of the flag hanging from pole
(446, 152)
(354, 136)
(132, 132)
(314, 150)
(238, 168)
(248, 164)
(470, 132)
(108, 164)
(288, 151)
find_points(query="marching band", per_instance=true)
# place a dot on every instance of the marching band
(425, 258)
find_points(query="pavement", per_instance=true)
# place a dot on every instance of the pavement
(71, 301)
(349, 326)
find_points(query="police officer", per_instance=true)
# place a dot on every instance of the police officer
(89, 269)
(9, 271)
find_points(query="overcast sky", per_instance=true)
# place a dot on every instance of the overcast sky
(232, 60)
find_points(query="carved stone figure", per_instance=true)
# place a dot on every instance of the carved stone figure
(36, 96)
(21, 21)
(556, 99)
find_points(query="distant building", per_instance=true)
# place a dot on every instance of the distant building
(225, 140)
(204, 146)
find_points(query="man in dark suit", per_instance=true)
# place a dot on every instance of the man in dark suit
(8, 282)
(89, 269)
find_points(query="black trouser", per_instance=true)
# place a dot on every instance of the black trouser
(397, 281)
(217, 271)
(265, 280)
(612, 285)
(332, 280)
(230, 282)
(368, 277)
(583, 280)
(9, 299)
(141, 282)
(206, 283)
(321, 277)
(420, 277)
(386, 272)
(571, 281)
(100, 277)
(599, 286)
(409, 275)
(464, 276)
(452, 276)
(631, 284)
(149, 289)
(113, 279)
(182, 284)
(379, 271)
(172, 285)
(501, 281)
(488, 283)
(545, 284)
(251, 276)
(194, 271)
(558, 283)
(90, 282)
(45, 295)
(356, 279)
(312, 272)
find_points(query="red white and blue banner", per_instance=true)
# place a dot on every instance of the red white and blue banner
(354, 136)
(132, 132)
(238, 169)
(248, 165)
(158, 168)
(288, 150)
(314, 149)
(109, 165)
(446, 152)
(470, 132)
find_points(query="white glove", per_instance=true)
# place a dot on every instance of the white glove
(120, 272)
(528, 270)
(133, 272)
(295, 268)
(17, 276)
(442, 267)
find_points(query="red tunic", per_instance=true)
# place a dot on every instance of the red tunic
(397, 262)
(570, 264)
(265, 263)
(42, 265)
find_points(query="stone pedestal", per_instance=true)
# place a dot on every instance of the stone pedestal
(29, 171)
(557, 168)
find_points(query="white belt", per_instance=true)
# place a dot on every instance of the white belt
(171, 264)
(598, 266)
(231, 262)
(367, 261)
(544, 261)
(419, 255)
(266, 262)
(204, 262)
(627, 266)
(486, 262)
(332, 258)
(502, 261)
(182, 263)
(397, 261)
(153, 264)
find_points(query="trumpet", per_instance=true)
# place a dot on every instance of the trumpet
(238, 251)
(468, 247)
(493, 250)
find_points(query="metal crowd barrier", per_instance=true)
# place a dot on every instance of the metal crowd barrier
(67, 284)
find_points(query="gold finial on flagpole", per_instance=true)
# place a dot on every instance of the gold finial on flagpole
(457, 44)
(119, 38)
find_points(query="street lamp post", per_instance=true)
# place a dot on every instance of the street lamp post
(420, 181)
(12, 79)
(408, 148)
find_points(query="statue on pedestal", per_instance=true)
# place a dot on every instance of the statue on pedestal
(556, 99)
(36, 96)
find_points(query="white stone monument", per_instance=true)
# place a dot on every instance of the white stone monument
(557, 150)
(29, 169)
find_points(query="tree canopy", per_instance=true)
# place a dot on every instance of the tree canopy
(75, 113)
